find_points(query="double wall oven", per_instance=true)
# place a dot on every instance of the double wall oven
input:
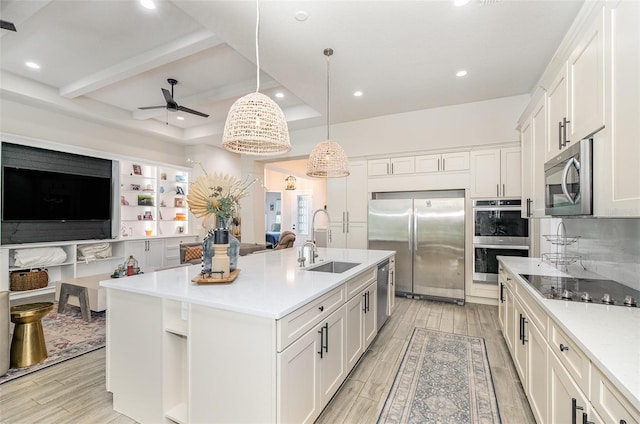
(498, 230)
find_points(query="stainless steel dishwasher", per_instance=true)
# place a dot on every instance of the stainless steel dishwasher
(383, 292)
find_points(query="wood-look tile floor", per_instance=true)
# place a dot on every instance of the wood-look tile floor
(74, 391)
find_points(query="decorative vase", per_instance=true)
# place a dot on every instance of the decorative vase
(208, 252)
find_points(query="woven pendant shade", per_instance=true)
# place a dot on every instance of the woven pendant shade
(256, 126)
(328, 160)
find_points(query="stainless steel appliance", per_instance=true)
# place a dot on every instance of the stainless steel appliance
(568, 181)
(426, 229)
(498, 230)
(606, 292)
(383, 292)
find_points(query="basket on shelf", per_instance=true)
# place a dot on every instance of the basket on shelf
(29, 279)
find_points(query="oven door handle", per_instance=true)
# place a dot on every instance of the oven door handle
(565, 173)
(500, 246)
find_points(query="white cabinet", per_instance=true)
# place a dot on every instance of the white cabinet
(495, 172)
(608, 401)
(312, 369)
(457, 161)
(347, 208)
(616, 150)
(392, 166)
(149, 253)
(533, 139)
(361, 323)
(576, 95)
(586, 81)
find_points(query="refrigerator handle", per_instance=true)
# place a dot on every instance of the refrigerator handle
(414, 232)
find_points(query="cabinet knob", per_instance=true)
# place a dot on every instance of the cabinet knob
(321, 308)
(563, 347)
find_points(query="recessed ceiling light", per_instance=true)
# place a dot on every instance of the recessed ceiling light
(460, 3)
(279, 95)
(461, 74)
(148, 4)
(180, 118)
(357, 93)
(301, 16)
(32, 65)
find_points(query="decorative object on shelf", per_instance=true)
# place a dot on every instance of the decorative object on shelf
(145, 200)
(179, 190)
(161, 189)
(291, 182)
(123, 201)
(29, 280)
(135, 187)
(163, 204)
(147, 216)
(163, 176)
(179, 202)
(137, 169)
(255, 124)
(180, 178)
(149, 187)
(328, 159)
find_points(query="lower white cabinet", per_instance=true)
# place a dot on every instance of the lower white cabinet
(149, 253)
(567, 403)
(361, 323)
(312, 369)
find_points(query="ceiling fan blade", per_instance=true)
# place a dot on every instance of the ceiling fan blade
(167, 96)
(153, 107)
(195, 112)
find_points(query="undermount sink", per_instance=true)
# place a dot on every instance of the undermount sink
(334, 267)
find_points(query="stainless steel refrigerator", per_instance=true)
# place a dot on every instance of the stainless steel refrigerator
(426, 229)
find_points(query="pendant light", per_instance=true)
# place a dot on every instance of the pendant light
(291, 182)
(328, 159)
(255, 124)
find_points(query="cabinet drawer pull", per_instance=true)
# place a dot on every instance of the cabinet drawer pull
(501, 293)
(321, 308)
(563, 347)
(574, 408)
(559, 135)
(584, 419)
(564, 132)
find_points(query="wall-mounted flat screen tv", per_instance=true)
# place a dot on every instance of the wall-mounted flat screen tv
(34, 195)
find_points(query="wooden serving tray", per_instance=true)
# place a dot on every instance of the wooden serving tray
(198, 279)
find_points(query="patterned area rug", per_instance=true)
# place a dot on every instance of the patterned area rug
(67, 335)
(443, 378)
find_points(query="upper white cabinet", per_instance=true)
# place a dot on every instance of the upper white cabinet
(576, 95)
(533, 137)
(495, 172)
(457, 161)
(347, 208)
(616, 149)
(393, 166)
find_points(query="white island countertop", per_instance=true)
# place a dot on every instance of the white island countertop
(270, 284)
(608, 335)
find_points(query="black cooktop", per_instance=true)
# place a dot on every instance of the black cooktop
(606, 292)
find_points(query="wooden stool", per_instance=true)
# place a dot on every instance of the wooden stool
(27, 344)
(66, 290)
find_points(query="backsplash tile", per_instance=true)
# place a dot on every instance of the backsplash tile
(609, 246)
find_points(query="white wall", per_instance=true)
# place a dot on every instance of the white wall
(32, 122)
(470, 124)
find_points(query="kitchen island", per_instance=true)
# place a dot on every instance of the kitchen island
(272, 346)
(570, 351)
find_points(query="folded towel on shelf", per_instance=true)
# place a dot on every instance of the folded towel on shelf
(95, 251)
(41, 256)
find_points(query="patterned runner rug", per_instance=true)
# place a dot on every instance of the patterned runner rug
(67, 335)
(443, 378)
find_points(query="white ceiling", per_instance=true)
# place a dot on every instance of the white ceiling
(102, 59)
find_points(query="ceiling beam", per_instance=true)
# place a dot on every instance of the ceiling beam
(186, 46)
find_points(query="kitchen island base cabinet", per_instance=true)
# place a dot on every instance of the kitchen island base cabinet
(311, 370)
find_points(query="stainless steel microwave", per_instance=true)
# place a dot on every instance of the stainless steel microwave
(568, 181)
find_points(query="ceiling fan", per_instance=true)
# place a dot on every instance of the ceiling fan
(172, 105)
